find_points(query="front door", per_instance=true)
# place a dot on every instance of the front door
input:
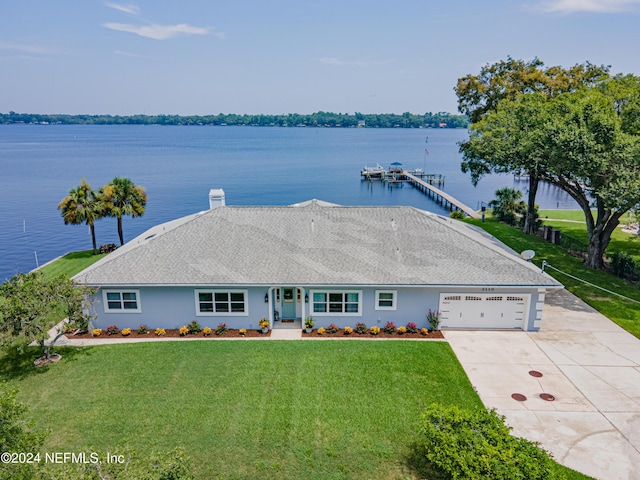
(288, 303)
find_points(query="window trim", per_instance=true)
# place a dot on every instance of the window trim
(105, 301)
(213, 292)
(334, 314)
(394, 300)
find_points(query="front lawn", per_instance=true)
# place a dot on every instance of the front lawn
(249, 409)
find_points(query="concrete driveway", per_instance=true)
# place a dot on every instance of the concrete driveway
(588, 364)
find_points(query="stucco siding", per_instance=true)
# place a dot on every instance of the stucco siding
(172, 307)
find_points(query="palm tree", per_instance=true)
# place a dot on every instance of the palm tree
(82, 205)
(123, 197)
(508, 205)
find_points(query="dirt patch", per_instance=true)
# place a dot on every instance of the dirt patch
(42, 361)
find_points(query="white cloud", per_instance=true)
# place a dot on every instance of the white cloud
(129, 8)
(31, 49)
(160, 32)
(597, 6)
(126, 54)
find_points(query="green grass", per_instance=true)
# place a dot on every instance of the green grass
(623, 312)
(249, 409)
(71, 263)
(573, 215)
(620, 241)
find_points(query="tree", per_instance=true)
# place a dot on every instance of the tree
(595, 161)
(508, 205)
(510, 139)
(509, 79)
(16, 435)
(123, 197)
(82, 205)
(575, 141)
(32, 305)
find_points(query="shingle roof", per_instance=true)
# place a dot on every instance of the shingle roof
(314, 243)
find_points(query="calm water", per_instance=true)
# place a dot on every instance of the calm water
(179, 165)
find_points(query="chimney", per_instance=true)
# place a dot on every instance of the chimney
(216, 198)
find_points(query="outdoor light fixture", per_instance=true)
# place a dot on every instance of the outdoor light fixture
(306, 298)
(266, 297)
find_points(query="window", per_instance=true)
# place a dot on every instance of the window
(221, 302)
(336, 303)
(121, 301)
(386, 299)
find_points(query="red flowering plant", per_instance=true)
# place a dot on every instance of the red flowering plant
(412, 327)
(333, 328)
(390, 328)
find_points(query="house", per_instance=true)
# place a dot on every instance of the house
(339, 264)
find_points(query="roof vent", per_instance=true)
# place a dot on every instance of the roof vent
(216, 198)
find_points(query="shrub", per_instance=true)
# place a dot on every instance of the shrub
(160, 332)
(361, 328)
(206, 331)
(321, 331)
(402, 330)
(623, 265)
(243, 331)
(309, 323)
(433, 317)
(348, 330)
(477, 444)
(390, 328)
(508, 205)
(126, 332)
(112, 330)
(424, 331)
(221, 329)
(143, 329)
(184, 331)
(96, 332)
(457, 215)
(374, 330)
(333, 328)
(194, 327)
(412, 327)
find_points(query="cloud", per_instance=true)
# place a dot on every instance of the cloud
(338, 62)
(31, 49)
(126, 54)
(129, 8)
(161, 32)
(595, 6)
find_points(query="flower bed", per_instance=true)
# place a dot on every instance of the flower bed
(369, 335)
(173, 333)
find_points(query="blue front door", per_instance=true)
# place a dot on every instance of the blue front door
(288, 303)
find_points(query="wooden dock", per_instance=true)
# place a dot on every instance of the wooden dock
(439, 196)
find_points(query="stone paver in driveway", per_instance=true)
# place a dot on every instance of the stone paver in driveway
(589, 364)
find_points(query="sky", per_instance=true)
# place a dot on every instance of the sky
(199, 57)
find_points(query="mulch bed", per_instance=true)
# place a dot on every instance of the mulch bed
(340, 333)
(170, 333)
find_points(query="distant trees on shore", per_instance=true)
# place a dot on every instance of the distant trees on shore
(318, 119)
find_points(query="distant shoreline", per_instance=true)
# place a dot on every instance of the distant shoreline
(314, 120)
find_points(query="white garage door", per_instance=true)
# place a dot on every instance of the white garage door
(475, 310)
